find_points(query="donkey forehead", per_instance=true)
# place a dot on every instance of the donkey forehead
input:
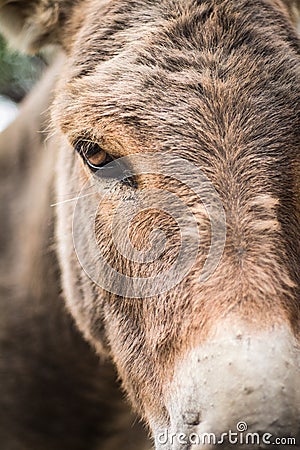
(133, 59)
(127, 90)
(110, 27)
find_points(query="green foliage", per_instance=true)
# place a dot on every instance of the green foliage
(17, 72)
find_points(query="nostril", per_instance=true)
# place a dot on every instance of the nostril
(191, 418)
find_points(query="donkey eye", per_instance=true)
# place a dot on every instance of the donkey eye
(94, 156)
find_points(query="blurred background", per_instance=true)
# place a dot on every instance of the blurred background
(18, 73)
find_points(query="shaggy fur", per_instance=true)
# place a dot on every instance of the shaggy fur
(217, 82)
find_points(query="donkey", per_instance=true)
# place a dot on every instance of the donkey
(172, 140)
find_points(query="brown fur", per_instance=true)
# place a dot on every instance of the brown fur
(216, 82)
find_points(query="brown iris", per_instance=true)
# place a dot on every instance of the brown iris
(93, 154)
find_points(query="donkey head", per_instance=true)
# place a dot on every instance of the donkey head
(177, 124)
